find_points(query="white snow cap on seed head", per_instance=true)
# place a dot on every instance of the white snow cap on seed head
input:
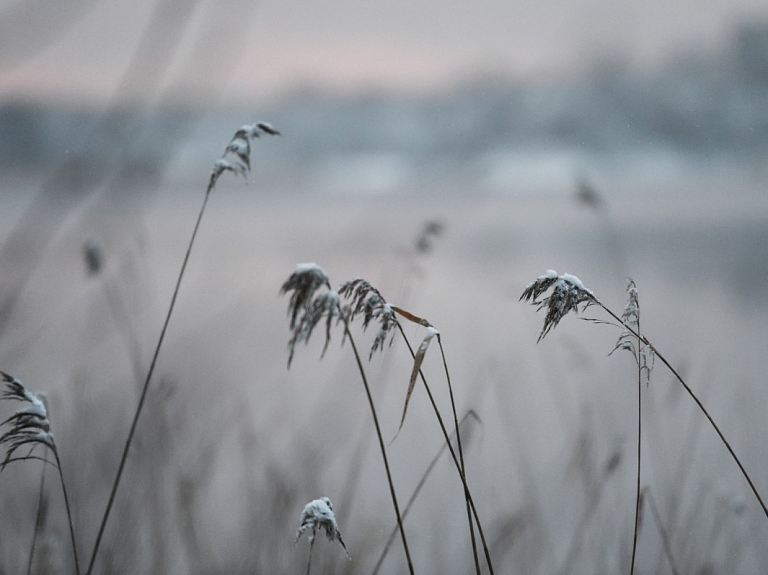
(318, 514)
(576, 282)
(311, 267)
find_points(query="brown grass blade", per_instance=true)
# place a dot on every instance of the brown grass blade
(418, 359)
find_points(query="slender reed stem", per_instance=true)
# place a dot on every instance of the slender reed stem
(38, 521)
(381, 445)
(467, 492)
(142, 398)
(461, 457)
(638, 358)
(695, 399)
(412, 500)
(648, 494)
(69, 511)
(311, 546)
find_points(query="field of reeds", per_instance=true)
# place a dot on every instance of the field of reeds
(231, 444)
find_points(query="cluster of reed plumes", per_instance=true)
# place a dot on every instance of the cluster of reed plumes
(313, 301)
(339, 315)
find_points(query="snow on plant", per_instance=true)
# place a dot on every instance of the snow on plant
(318, 514)
(311, 301)
(307, 307)
(237, 154)
(29, 429)
(368, 301)
(29, 426)
(568, 292)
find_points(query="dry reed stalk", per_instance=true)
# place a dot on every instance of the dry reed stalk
(368, 301)
(464, 420)
(240, 148)
(567, 293)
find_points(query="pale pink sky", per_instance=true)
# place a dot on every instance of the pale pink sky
(81, 49)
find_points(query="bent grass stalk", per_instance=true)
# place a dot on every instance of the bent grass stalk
(369, 302)
(418, 359)
(568, 292)
(417, 490)
(456, 462)
(240, 147)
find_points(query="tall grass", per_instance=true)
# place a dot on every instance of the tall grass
(566, 293)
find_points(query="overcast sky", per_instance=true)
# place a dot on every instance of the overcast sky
(86, 49)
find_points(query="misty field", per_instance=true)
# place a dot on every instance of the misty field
(232, 444)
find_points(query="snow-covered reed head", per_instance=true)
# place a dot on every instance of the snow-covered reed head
(29, 426)
(318, 514)
(312, 299)
(237, 154)
(566, 295)
(367, 301)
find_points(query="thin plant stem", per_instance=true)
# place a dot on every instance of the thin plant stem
(412, 500)
(311, 546)
(638, 358)
(381, 444)
(648, 494)
(69, 510)
(656, 352)
(150, 372)
(467, 492)
(461, 456)
(38, 521)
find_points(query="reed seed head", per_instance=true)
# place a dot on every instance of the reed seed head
(567, 293)
(367, 301)
(318, 514)
(309, 304)
(237, 154)
(29, 426)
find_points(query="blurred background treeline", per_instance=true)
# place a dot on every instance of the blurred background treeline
(698, 118)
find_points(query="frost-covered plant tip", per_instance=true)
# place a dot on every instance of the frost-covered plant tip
(318, 514)
(237, 154)
(30, 429)
(312, 300)
(29, 426)
(368, 301)
(568, 292)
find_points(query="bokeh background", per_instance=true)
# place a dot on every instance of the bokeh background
(449, 154)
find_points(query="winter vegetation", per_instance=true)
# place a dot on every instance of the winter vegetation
(197, 385)
(477, 448)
